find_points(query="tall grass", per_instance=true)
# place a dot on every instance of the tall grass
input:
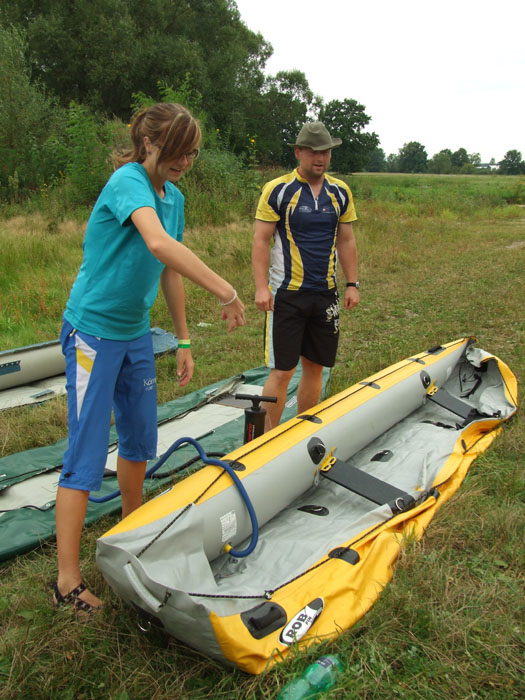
(461, 196)
(36, 270)
(445, 261)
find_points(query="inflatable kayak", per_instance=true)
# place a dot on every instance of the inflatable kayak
(289, 539)
(28, 480)
(35, 373)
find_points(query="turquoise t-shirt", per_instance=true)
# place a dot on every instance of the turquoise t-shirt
(118, 280)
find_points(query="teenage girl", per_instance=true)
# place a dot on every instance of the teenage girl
(133, 240)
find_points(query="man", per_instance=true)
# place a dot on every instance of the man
(309, 216)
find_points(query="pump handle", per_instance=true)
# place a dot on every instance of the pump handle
(256, 399)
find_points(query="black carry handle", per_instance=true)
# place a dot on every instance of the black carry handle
(254, 415)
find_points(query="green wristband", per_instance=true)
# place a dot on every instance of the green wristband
(184, 343)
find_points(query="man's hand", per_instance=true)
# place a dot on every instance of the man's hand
(351, 298)
(264, 299)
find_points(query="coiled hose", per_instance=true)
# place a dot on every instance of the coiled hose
(212, 461)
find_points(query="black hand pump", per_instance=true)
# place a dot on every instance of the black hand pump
(254, 415)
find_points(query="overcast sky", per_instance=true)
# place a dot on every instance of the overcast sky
(448, 74)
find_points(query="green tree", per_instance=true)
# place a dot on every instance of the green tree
(32, 128)
(512, 163)
(277, 114)
(89, 163)
(347, 120)
(392, 163)
(81, 50)
(468, 169)
(440, 163)
(98, 52)
(376, 161)
(413, 158)
(459, 158)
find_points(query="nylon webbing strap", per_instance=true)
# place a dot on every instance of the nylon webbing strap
(368, 486)
(460, 408)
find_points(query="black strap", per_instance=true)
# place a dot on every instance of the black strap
(369, 487)
(460, 408)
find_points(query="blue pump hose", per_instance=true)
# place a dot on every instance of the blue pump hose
(207, 460)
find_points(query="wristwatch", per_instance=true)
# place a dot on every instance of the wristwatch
(353, 284)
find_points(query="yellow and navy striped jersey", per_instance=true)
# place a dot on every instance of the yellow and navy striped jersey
(304, 252)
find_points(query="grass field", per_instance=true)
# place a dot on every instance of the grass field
(440, 258)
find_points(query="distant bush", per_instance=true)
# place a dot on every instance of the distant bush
(219, 188)
(89, 163)
(33, 147)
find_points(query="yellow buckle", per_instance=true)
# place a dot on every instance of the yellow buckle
(329, 460)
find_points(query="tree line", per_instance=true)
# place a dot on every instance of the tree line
(413, 158)
(72, 71)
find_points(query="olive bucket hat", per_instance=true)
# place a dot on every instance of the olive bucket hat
(316, 136)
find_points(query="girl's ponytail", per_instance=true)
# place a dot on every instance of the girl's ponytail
(168, 125)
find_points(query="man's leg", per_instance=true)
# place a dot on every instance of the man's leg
(130, 477)
(70, 511)
(310, 385)
(276, 385)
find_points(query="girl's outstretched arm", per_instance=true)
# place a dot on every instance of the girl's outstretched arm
(178, 257)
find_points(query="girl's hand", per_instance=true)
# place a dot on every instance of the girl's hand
(184, 366)
(233, 314)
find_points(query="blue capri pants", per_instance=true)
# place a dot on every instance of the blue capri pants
(104, 375)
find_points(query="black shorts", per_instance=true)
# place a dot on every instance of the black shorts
(302, 323)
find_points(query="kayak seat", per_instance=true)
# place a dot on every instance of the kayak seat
(460, 408)
(368, 486)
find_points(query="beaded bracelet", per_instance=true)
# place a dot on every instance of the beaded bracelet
(227, 303)
(186, 343)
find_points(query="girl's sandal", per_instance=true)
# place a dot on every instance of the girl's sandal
(72, 598)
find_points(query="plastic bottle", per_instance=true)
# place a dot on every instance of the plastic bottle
(317, 678)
